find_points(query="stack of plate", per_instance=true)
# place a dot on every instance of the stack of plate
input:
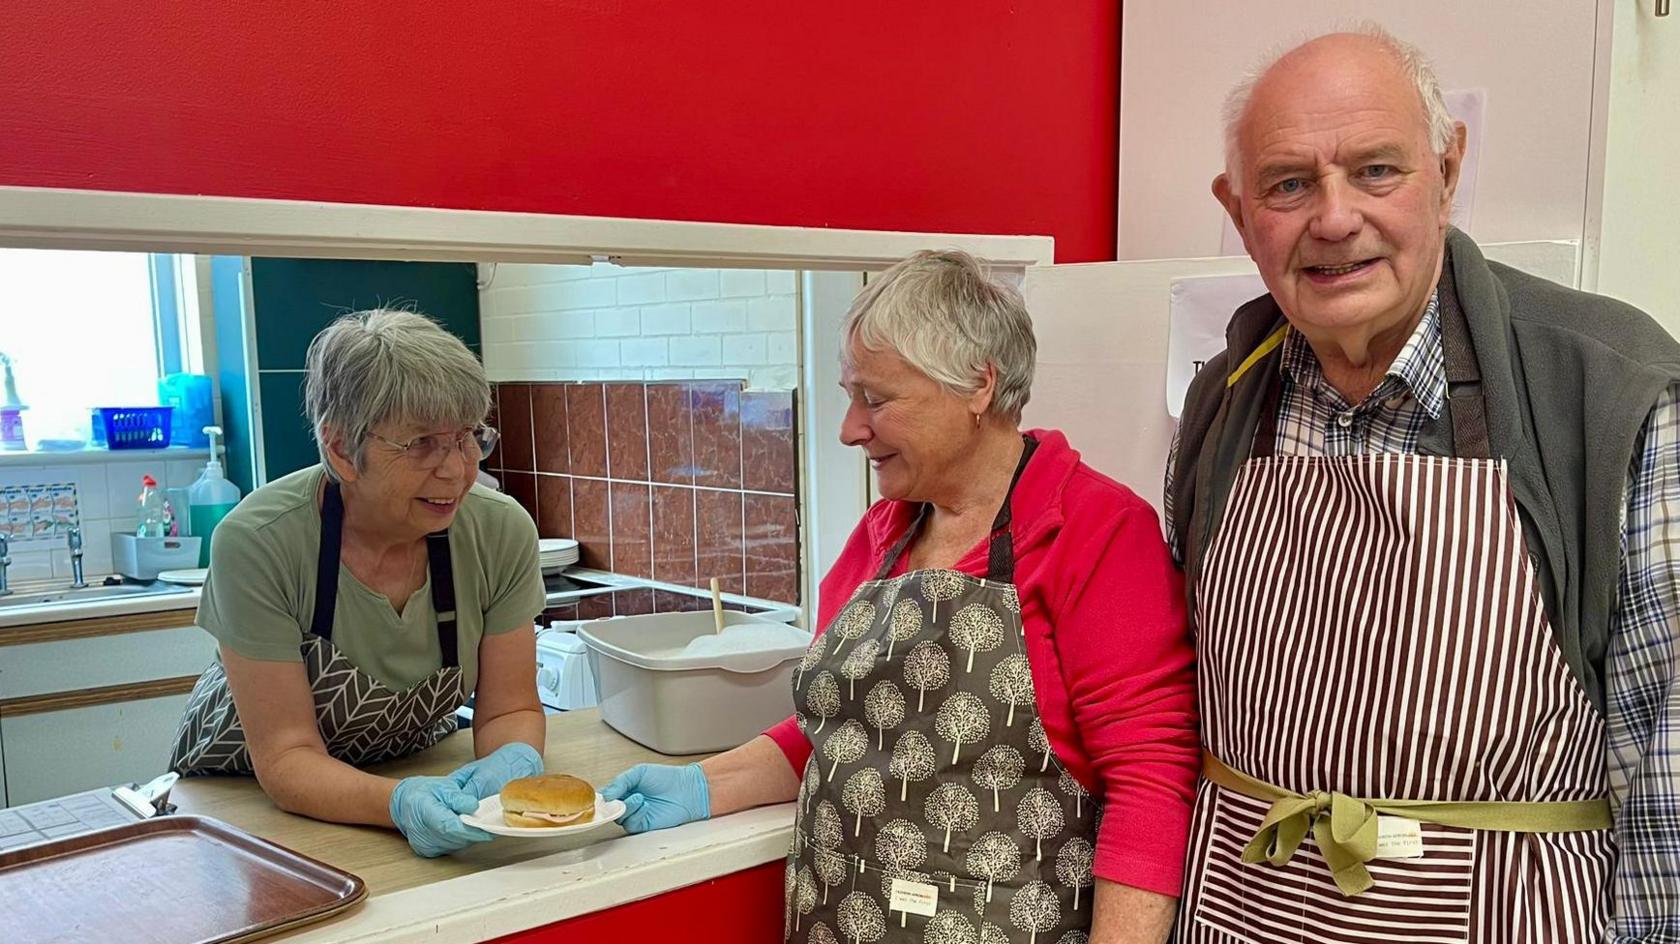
(557, 553)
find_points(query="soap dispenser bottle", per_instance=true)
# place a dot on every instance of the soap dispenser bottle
(210, 498)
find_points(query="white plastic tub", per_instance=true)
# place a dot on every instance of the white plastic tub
(663, 685)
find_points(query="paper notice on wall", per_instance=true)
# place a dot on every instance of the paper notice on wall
(1466, 105)
(1200, 309)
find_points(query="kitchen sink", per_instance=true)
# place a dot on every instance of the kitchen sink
(88, 594)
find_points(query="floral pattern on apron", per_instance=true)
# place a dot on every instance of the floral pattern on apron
(361, 720)
(930, 765)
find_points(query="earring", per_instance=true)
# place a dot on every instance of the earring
(976, 421)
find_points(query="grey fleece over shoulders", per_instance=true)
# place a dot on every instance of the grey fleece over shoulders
(1569, 379)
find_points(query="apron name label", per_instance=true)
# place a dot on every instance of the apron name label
(914, 897)
(1399, 838)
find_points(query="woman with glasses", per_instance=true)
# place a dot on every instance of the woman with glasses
(359, 602)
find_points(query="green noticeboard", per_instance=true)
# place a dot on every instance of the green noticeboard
(293, 299)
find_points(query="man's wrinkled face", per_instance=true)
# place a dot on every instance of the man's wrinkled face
(1342, 202)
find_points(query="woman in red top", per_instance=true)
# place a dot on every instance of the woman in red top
(995, 736)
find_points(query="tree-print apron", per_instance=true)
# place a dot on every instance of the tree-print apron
(1370, 628)
(361, 720)
(931, 769)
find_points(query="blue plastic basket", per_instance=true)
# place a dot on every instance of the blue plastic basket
(136, 427)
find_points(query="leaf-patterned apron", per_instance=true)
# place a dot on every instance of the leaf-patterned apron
(362, 721)
(931, 768)
(1371, 627)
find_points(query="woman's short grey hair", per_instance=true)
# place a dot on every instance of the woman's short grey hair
(371, 368)
(1411, 60)
(949, 318)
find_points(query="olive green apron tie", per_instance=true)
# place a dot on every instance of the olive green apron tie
(1347, 836)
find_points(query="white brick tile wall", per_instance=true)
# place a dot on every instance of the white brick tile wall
(596, 353)
(605, 322)
(664, 320)
(746, 349)
(738, 282)
(623, 322)
(640, 289)
(720, 317)
(772, 313)
(644, 352)
(580, 294)
(783, 348)
(699, 350)
(691, 284)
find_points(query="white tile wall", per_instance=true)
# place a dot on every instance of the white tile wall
(107, 499)
(605, 322)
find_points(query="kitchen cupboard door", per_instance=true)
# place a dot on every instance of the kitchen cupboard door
(52, 753)
(64, 666)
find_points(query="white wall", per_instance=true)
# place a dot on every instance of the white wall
(1634, 255)
(606, 322)
(1534, 58)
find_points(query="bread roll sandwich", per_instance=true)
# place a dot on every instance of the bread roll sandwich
(548, 800)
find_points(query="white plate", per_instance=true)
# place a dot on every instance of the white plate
(190, 578)
(555, 545)
(488, 817)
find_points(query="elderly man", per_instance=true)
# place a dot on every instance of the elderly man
(1428, 509)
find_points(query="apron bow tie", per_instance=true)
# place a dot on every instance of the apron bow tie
(1345, 829)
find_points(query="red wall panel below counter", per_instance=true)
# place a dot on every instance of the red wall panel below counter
(743, 908)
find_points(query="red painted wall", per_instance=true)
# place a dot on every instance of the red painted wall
(953, 115)
(743, 908)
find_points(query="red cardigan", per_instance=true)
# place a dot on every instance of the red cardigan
(1103, 609)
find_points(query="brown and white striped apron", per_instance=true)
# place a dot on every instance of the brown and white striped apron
(1371, 625)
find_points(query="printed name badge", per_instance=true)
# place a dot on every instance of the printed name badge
(914, 897)
(1399, 838)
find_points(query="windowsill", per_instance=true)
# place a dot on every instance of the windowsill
(98, 454)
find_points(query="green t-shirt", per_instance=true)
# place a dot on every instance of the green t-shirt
(259, 599)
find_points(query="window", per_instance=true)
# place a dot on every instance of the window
(87, 329)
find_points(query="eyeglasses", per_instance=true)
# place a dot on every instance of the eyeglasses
(428, 452)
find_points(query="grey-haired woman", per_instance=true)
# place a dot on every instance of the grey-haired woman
(1002, 700)
(359, 602)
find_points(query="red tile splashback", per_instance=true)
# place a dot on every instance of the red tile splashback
(670, 434)
(523, 487)
(772, 547)
(680, 481)
(627, 431)
(673, 535)
(632, 529)
(718, 538)
(590, 524)
(586, 427)
(716, 409)
(548, 421)
(767, 442)
(513, 407)
(554, 506)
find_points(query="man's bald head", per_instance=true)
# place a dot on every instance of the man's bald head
(1367, 49)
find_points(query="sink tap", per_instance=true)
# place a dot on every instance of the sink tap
(77, 582)
(5, 562)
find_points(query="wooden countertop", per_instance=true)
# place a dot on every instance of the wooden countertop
(579, 743)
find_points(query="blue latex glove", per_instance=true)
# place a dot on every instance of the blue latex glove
(657, 796)
(490, 773)
(427, 810)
